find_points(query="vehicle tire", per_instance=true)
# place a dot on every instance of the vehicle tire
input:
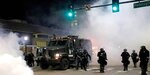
(64, 64)
(44, 63)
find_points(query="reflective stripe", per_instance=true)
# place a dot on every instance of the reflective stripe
(70, 55)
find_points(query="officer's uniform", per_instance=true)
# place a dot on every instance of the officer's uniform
(125, 59)
(144, 58)
(78, 59)
(102, 59)
(85, 56)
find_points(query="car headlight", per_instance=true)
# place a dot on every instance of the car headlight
(57, 56)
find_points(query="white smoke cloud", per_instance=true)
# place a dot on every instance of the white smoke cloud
(128, 28)
(11, 58)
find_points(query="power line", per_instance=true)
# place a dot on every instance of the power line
(132, 1)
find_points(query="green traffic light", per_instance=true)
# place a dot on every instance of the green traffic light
(70, 14)
(115, 8)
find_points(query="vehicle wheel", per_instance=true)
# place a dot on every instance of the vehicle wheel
(44, 63)
(64, 64)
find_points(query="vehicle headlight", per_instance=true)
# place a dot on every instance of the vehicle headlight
(57, 56)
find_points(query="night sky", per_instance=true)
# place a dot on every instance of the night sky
(35, 11)
(10, 9)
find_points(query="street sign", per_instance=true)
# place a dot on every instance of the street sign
(141, 4)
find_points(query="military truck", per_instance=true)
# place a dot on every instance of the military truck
(61, 51)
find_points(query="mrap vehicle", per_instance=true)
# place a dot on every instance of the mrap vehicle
(61, 51)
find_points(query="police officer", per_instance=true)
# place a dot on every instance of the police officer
(125, 59)
(85, 56)
(25, 56)
(134, 56)
(30, 61)
(144, 58)
(102, 57)
(78, 59)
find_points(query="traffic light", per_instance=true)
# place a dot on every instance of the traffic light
(71, 12)
(115, 6)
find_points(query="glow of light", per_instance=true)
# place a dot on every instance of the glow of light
(70, 14)
(26, 38)
(115, 8)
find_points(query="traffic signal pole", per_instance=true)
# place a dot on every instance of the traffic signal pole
(132, 1)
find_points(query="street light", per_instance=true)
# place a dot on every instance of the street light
(26, 38)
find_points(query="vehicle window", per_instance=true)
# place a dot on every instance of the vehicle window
(57, 43)
(42, 36)
(39, 52)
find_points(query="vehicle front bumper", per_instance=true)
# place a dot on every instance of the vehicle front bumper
(54, 61)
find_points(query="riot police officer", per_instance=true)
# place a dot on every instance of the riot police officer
(78, 58)
(85, 56)
(134, 56)
(125, 59)
(30, 60)
(144, 58)
(25, 56)
(102, 57)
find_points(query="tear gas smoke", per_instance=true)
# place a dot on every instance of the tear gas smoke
(11, 58)
(128, 29)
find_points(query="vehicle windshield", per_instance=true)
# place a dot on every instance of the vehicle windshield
(57, 43)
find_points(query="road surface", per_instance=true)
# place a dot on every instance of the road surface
(116, 70)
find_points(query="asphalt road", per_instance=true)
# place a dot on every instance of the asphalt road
(115, 70)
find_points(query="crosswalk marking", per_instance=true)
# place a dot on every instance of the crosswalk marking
(130, 69)
(114, 71)
(140, 72)
(97, 69)
(121, 71)
(110, 68)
